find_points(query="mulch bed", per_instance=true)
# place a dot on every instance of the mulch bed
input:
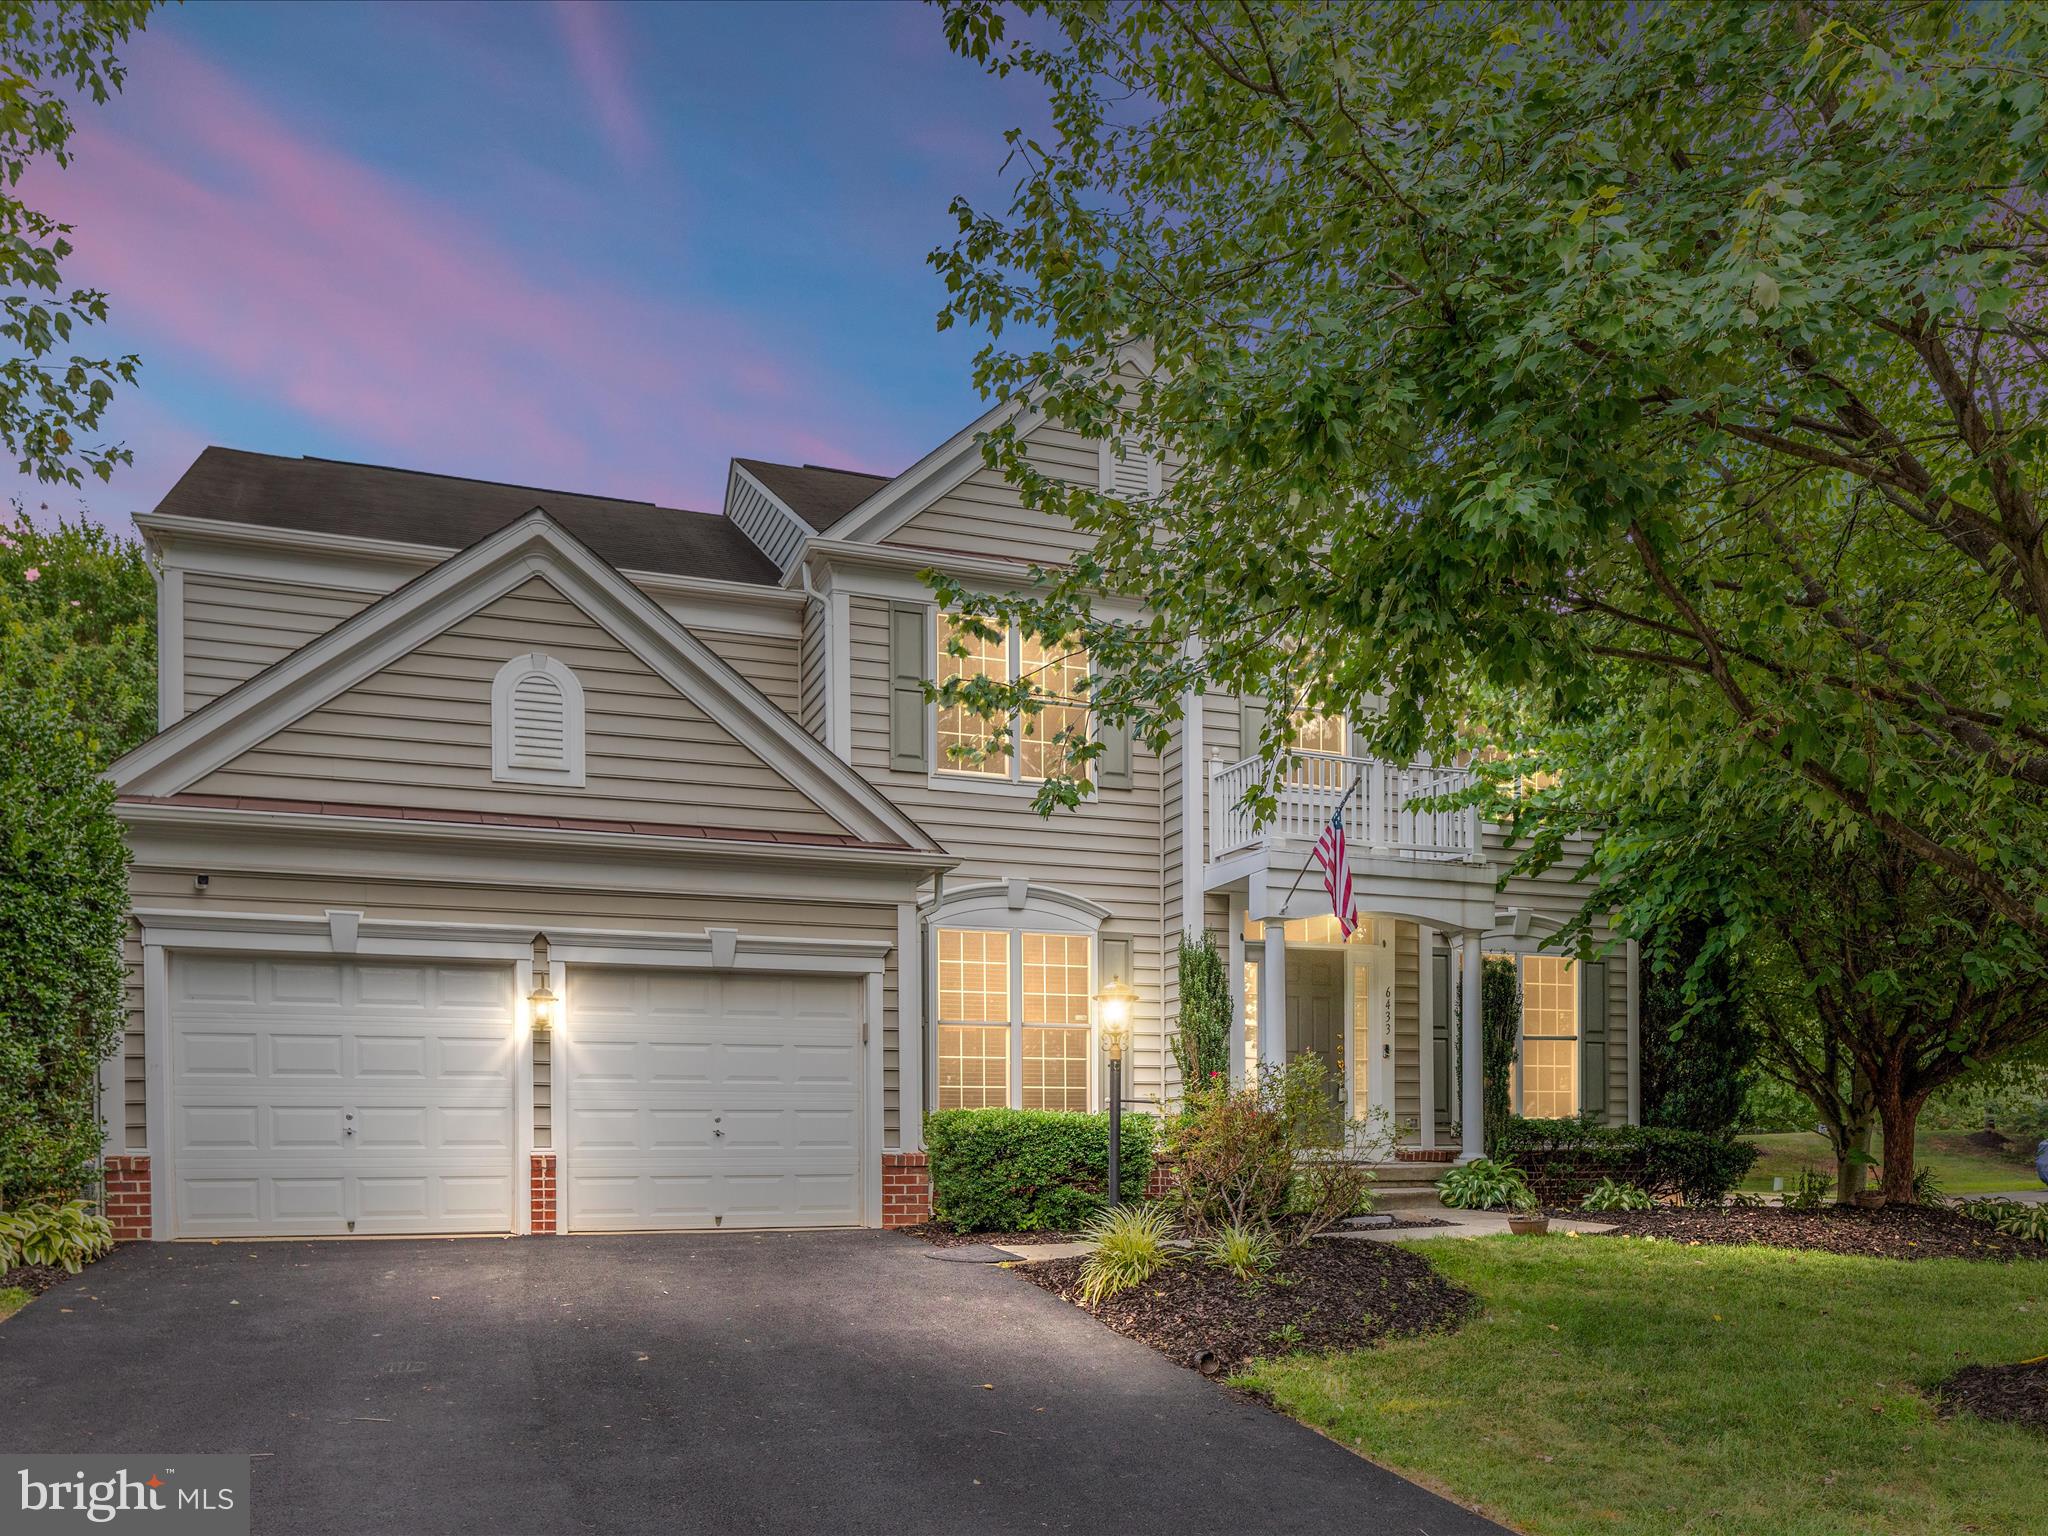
(1895, 1232)
(33, 1278)
(1337, 1293)
(2011, 1394)
(945, 1237)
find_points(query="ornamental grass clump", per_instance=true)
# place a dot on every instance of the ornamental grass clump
(1130, 1247)
(1246, 1251)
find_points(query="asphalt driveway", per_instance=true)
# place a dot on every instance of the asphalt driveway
(831, 1382)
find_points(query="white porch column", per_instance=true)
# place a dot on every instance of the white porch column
(1235, 950)
(1425, 951)
(1273, 997)
(909, 1029)
(1474, 1105)
(1635, 1035)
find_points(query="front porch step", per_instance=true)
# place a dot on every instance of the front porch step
(1406, 1187)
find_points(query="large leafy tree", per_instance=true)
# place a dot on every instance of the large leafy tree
(1561, 348)
(53, 399)
(77, 688)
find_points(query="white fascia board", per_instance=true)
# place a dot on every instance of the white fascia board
(885, 571)
(348, 563)
(190, 928)
(218, 825)
(938, 472)
(532, 546)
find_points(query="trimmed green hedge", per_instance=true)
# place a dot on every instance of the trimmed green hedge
(1565, 1159)
(1029, 1170)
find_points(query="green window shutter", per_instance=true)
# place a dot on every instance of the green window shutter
(1593, 1038)
(1113, 767)
(908, 669)
(1112, 962)
(1440, 1029)
(1251, 723)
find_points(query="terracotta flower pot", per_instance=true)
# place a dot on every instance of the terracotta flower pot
(1528, 1226)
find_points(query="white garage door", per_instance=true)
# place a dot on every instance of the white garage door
(696, 1099)
(323, 1097)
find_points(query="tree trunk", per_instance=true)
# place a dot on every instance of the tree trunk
(1851, 1144)
(1900, 1113)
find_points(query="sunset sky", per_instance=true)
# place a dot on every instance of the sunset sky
(583, 246)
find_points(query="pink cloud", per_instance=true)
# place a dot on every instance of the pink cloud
(312, 280)
(596, 53)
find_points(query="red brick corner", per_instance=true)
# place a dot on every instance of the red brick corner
(127, 1184)
(541, 1192)
(906, 1189)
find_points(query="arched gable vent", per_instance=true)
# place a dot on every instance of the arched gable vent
(537, 723)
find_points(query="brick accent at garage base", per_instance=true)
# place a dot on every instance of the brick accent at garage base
(541, 1192)
(127, 1180)
(906, 1189)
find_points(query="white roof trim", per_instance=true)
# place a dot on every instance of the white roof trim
(158, 528)
(533, 545)
(940, 471)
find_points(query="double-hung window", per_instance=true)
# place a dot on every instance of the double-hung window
(1013, 1019)
(1544, 1084)
(1039, 739)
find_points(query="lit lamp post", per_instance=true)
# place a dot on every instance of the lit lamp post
(1113, 1015)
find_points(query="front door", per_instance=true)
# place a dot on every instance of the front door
(1315, 1012)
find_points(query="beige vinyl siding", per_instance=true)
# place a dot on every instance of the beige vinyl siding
(418, 734)
(523, 908)
(234, 628)
(983, 515)
(769, 662)
(1407, 1097)
(1107, 851)
(812, 672)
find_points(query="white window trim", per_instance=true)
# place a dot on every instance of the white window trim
(1521, 951)
(943, 777)
(529, 664)
(1016, 907)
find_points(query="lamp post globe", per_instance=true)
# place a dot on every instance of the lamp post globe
(1113, 1015)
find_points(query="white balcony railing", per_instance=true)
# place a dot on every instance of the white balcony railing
(1381, 819)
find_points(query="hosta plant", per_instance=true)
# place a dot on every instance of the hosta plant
(71, 1234)
(1617, 1195)
(1485, 1185)
(1129, 1249)
(2011, 1218)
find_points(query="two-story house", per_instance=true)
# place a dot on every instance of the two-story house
(517, 861)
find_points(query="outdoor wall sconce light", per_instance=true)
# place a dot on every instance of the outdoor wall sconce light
(541, 1002)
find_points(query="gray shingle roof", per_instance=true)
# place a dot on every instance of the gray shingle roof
(814, 492)
(412, 506)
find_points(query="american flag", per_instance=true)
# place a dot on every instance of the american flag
(1330, 853)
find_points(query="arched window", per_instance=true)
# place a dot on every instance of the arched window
(1013, 971)
(537, 723)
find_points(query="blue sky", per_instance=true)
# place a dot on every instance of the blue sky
(587, 246)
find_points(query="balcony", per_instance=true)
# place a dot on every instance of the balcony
(1382, 820)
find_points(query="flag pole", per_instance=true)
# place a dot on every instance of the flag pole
(1304, 866)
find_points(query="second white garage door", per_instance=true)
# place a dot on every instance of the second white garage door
(699, 1099)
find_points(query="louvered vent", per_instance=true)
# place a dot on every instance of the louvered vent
(537, 723)
(540, 728)
(1133, 475)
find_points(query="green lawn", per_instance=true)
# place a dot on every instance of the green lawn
(1635, 1386)
(12, 1299)
(1961, 1168)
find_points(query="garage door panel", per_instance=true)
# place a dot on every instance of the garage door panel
(697, 1099)
(217, 1054)
(346, 1097)
(306, 1056)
